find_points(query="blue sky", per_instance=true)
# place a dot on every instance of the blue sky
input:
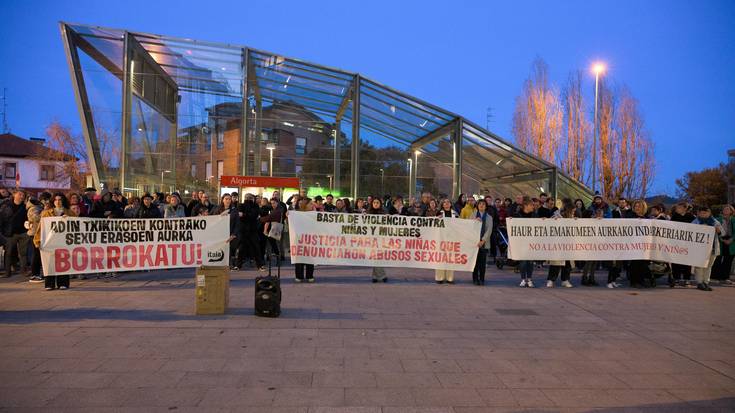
(677, 57)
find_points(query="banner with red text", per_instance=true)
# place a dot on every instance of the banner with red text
(383, 240)
(90, 245)
(610, 239)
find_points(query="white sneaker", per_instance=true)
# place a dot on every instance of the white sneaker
(617, 285)
(523, 283)
(529, 284)
(566, 284)
(611, 285)
(550, 284)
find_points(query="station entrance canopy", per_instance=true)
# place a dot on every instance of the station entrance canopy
(159, 111)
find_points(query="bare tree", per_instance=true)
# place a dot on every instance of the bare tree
(68, 151)
(626, 164)
(71, 151)
(537, 121)
(575, 149)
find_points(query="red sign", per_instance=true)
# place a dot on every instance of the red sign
(259, 181)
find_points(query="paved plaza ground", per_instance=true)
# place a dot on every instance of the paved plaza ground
(347, 345)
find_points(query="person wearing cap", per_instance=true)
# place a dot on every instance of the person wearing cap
(599, 204)
(34, 232)
(148, 209)
(174, 209)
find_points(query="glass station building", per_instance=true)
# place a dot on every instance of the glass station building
(161, 113)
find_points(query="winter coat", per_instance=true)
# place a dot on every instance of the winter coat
(716, 244)
(13, 218)
(468, 211)
(728, 229)
(488, 228)
(149, 212)
(234, 218)
(447, 214)
(50, 212)
(34, 222)
(174, 212)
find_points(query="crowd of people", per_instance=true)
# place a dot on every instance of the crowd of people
(253, 218)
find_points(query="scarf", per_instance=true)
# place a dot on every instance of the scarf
(482, 217)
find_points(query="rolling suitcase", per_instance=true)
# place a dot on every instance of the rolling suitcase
(268, 291)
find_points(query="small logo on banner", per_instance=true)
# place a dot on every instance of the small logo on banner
(215, 256)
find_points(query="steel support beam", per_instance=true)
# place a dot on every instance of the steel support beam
(252, 78)
(413, 166)
(355, 152)
(337, 183)
(457, 158)
(82, 100)
(435, 135)
(245, 113)
(553, 181)
(127, 99)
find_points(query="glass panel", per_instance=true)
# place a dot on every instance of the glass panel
(104, 92)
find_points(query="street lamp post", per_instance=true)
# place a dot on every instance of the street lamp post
(330, 182)
(382, 179)
(598, 68)
(410, 177)
(271, 147)
(164, 172)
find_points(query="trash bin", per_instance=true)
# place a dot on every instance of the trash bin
(212, 290)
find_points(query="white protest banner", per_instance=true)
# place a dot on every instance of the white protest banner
(87, 245)
(609, 239)
(383, 240)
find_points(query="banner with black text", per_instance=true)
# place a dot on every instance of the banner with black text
(609, 239)
(383, 240)
(90, 245)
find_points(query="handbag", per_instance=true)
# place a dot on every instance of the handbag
(275, 231)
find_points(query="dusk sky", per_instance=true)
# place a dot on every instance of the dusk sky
(677, 57)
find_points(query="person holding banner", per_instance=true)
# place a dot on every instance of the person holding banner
(305, 271)
(526, 210)
(681, 274)
(638, 271)
(376, 208)
(60, 209)
(565, 267)
(446, 211)
(174, 209)
(486, 230)
(227, 208)
(34, 232)
(702, 274)
(148, 209)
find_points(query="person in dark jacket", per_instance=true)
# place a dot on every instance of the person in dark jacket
(329, 204)
(486, 230)
(277, 214)
(638, 272)
(376, 207)
(398, 208)
(106, 207)
(526, 210)
(148, 209)
(13, 214)
(681, 274)
(193, 202)
(251, 233)
(227, 208)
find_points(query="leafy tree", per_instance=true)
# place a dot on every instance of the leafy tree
(705, 187)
